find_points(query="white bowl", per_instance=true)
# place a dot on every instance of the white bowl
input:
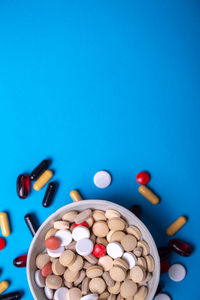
(37, 245)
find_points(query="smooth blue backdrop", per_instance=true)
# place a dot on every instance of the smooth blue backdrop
(102, 85)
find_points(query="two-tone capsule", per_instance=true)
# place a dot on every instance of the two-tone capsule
(49, 194)
(39, 170)
(31, 223)
(4, 224)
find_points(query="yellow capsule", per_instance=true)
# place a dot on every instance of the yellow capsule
(42, 180)
(174, 227)
(147, 193)
(3, 286)
(4, 224)
(75, 196)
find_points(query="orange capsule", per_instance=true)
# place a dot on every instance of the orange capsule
(4, 224)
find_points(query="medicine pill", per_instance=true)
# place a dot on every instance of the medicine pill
(177, 272)
(11, 296)
(43, 166)
(81, 224)
(80, 232)
(147, 193)
(102, 179)
(64, 236)
(3, 286)
(48, 293)
(55, 253)
(47, 270)
(2, 243)
(90, 297)
(114, 250)
(143, 178)
(60, 294)
(164, 266)
(162, 296)
(175, 226)
(39, 279)
(4, 224)
(49, 194)
(42, 180)
(75, 195)
(29, 219)
(20, 261)
(99, 250)
(136, 210)
(180, 247)
(23, 186)
(84, 247)
(52, 243)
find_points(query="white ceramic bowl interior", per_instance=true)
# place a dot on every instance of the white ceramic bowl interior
(37, 245)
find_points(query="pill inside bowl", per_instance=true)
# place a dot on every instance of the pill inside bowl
(94, 254)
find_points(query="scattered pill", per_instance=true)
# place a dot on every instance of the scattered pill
(102, 179)
(80, 232)
(52, 243)
(43, 166)
(2, 243)
(143, 178)
(90, 297)
(42, 180)
(3, 286)
(31, 223)
(114, 250)
(65, 237)
(39, 279)
(20, 261)
(11, 296)
(48, 293)
(162, 296)
(49, 194)
(75, 195)
(99, 250)
(164, 266)
(23, 186)
(61, 293)
(56, 253)
(130, 258)
(4, 224)
(180, 247)
(177, 272)
(147, 193)
(163, 252)
(81, 224)
(176, 225)
(136, 210)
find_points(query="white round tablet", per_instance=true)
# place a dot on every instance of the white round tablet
(114, 250)
(84, 247)
(90, 297)
(80, 232)
(177, 272)
(162, 296)
(102, 179)
(55, 253)
(61, 293)
(65, 237)
(48, 292)
(130, 258)
(39, 279)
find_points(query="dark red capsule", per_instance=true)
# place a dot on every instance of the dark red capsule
(163, 252)
(180, 247)
(20, 261)
(136, 210)
(2, 243)
(23, 186)
(164, 266)
(143, 178)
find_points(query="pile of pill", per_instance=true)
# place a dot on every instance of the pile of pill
(92, 255)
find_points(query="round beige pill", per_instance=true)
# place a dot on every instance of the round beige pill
(111, 213)
(77, 265)
(142, 293)
(102, 241)
(67, 258)
(117, 274)
(90, 222)
(106, 262)
(128, 288)
(100, 229)
(137, 274)
(144, 246)
(61, 225)
(99, 215)
(134, 231)
(70, 216)
(112, 297)
(142, 262)
(94, 271)
(97, 285)
(129, 242)
(41, 260)
(109, 235)
(138, 251)
(57, 268)
(119, 262)
(150, 263)
(71, 276)
(115, 289)
(147, 278)
(50, 233)
(73, 294)
(104, 296)
(116, 224)
(53, 282)
(117, 236)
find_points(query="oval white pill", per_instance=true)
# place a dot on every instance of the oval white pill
(177, 272)
(61, 293)
(55, 253)
(48, 292)
(130, 258)
(114, 250)
(65, 237)
(90, 297)
(162, 297)
(102, 179)
(39, 279)
(84, 247)
(80, 232)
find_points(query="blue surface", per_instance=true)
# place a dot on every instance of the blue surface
(102, 85)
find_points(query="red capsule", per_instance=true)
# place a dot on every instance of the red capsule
(180, 247)
(163, 252)
(2, 243)
(23, 186)
(99, 250)
(164, 266)
(20, 261)
(143, 178)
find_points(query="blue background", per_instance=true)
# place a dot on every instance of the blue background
(102, 85)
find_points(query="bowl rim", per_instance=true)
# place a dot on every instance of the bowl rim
(113, 205)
